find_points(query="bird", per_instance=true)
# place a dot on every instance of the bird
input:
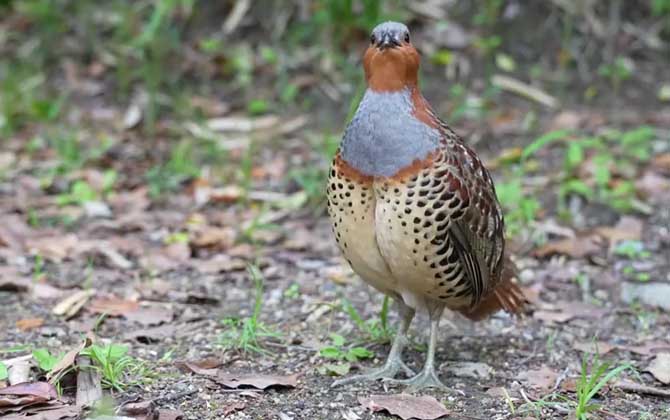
(413, 209)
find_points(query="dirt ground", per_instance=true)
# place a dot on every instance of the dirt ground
(167, 276)
(197, 291)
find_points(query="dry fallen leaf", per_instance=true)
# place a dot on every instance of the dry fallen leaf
(47, 292)
(150, 315)
(259, 381)
(662, 163)
(207, 367)
(113, 306)
(543, 379)
(68, 360)
(27, 393)
(220, 263)
(28, 324)
(594, 347)
(54, 248)
(648, 348)
(214, 238)
(577, 247)
(627, 229)
(47, 412)
(660, 368)
(72, 304)
(406, 406)
(565, 311)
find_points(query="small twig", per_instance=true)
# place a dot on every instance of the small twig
(610, 414)
(561, 378)
(628, 386)
(236, 15)
(523, 89)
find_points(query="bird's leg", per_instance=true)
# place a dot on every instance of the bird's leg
(427, 378)
(394, 361)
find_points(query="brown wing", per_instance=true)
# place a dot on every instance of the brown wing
(478, 234)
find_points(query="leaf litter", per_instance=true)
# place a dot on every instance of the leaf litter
(406, 406)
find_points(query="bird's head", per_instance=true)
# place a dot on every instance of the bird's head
(391, 62)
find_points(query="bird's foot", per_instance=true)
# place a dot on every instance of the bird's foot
(426, 379)
(390, 369)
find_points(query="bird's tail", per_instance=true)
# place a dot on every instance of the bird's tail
(507, 295)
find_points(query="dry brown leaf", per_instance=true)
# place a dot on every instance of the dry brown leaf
(72, 304)
(14, 232)
(591, 347)
(225, 195)
(211, 107)
(259, 381)
(150, 315)
(543, 379)
(27, 393)
(627, 229)
(406, 406)
(50, 412)
(54, 248)
(46, 291)
(167, 258)
(131, 203)
(648, 348)
(565, 311)
(68, 360)
(214, 238)
(138, 408)
(113, 306)
(220, 263)
(566, 120)
(660, 368)
(206, 367)
(28, 324)
(578, 247)
(339, 274)
(662, 163)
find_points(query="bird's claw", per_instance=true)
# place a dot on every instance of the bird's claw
(386, 372)
(426, 379)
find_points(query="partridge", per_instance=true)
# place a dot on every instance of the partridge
(413, 209)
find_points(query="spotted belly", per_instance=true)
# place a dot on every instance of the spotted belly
(351, 207)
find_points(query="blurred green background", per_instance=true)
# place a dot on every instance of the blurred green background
(170, 94)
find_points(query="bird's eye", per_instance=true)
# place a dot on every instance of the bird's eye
(372, 38)
(407, 37)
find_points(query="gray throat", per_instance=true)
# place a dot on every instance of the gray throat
(384, 136)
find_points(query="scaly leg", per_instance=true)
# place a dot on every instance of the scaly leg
(427, 378)
(394, 361)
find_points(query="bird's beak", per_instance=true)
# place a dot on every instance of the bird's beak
(387, 41)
